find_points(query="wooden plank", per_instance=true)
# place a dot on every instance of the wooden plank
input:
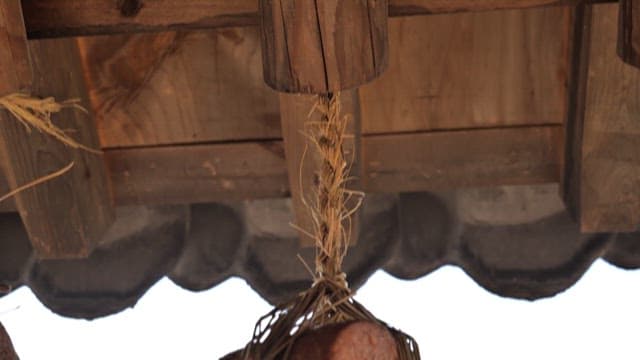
(166, 89)
(629, 32)
(449, 160)
(66, 216)
(170, 88)
(62, 18)
(490, 70)
(303, 162)
(198, 173)
(8, 205)
(603, 188)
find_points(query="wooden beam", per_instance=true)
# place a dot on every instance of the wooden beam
(390, 163)
(317, 47)
(66, 216)
(466, 158)
(303, 162)
(198, 173)
(63, 18)
(629, 32)
(602, 175)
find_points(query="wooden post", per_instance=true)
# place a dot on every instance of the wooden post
(629, 32)
(602, 163)
(321, 46)
(68, 215)
(303, 162)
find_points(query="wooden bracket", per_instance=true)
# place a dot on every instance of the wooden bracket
(65, 217)
(322, 46)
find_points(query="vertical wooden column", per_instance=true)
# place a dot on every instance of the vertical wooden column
(67, 216)
(602, 164)
(629, 32)
(303, 163)
(321, 46)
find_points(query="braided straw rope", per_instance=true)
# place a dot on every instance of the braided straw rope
(329, 300)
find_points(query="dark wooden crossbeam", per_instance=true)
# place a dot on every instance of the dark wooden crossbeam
(63, 18)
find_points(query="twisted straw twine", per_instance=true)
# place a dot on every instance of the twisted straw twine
(329, 300)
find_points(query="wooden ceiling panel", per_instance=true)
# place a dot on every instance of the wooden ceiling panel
(175, 88)
(471, 70)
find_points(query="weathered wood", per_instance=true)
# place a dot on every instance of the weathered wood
(15, 71)
(68, 215)
(63, 18)
(303, 161)
(473, 158)
(148, 89)
(317, 47)
(391, 163)
(57, 18)
(629, 32)
(177, 88)
(491, 69)
(198, 173)
(218, 172)
(602, 181)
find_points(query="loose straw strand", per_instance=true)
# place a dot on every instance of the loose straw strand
(36, 113)
(37, 182)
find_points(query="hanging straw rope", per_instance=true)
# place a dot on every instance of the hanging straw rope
(36, 113)
(329, 300)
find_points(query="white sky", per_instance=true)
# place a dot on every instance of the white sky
(449, 315)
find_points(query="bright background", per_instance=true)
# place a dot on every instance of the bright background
(449, 315)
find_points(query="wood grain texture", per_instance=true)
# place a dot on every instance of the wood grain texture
(605, 182)
(172, 88)
(448, 160)
(629, 32)
(391, 163)
(317, 47)
(62, 18)
(15, 72)
(303, 161)
(198, 173)
(471, 71)
(177, 88)
(417, 7)
(66, 216)
(356, 340)
(46, 18)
